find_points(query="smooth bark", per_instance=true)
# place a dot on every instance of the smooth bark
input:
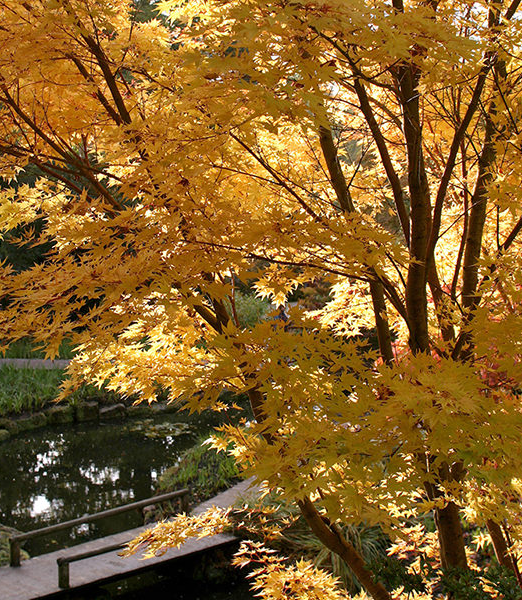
(334, 541)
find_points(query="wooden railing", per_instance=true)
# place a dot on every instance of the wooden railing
(63, 562)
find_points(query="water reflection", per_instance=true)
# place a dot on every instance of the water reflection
(54, 475)
(98, 476)
(40, 505)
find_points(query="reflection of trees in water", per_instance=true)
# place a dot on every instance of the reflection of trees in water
(82, 470)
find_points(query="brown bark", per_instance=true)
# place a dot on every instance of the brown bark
(335, 542)
(334, 169)
(447, 520)
(465, 199)
(407, 79)
(416, 297)
(380, 142)
(344, 198)
(477, 217)
(446, 328)
(490, 59)
(500, 545)
(66, 153)
(451, 537)
(381, 321)
(103, 62)
(449, 529)
(325, 532)
(378, 137)
(512, 10)
(473, 246)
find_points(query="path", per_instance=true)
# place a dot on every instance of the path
(37, 578)
(35, 363)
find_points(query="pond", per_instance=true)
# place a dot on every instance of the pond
(186, 580)
(56, 474)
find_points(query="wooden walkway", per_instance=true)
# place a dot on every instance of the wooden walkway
(38, 577)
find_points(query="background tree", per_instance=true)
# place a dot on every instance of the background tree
(374, 146)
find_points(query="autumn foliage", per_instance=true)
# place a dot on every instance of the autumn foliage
(369, 146)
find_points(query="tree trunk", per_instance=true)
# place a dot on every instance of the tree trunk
(327, 533)
(501, 549)
(451, 537)
(334, 541)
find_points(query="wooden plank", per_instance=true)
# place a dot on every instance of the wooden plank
(38, 577)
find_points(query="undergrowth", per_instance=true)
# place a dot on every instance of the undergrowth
(26, 348)
(202, 469)
(27, 390)
(280, 526)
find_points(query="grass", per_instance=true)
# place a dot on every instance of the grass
(29, 390)
(25, 348)
(24, 389)
(204, 470)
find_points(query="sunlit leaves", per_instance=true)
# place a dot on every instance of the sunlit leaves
(180, 166)
(172, 534)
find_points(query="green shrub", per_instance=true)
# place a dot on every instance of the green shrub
(204, 470)
(296, 540)
(25, 348)
(470, 585)
(250, 309)
(5, 534)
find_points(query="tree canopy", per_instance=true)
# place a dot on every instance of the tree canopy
(372, 147)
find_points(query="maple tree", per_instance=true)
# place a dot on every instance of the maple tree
(371, 145)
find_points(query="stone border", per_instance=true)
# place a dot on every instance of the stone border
(83, 412)
(62, 414)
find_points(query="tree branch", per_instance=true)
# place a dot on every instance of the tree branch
(473, 105)
(393, 178)
(105, 103)
(68, 157)
(330, 537)
(344, 197)
(279, 180)
(337, 178)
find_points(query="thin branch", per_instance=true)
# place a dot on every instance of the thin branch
(337, 178)
(511, 10)
(462, 245)
(96, 50)
(473, 105)
(511, 237)
(72, 157)
(393, 178)
(278, 178)
(105, 103)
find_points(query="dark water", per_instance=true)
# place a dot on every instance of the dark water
(186, 580)
(54, 475)
(61, 473)
(196, 590)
